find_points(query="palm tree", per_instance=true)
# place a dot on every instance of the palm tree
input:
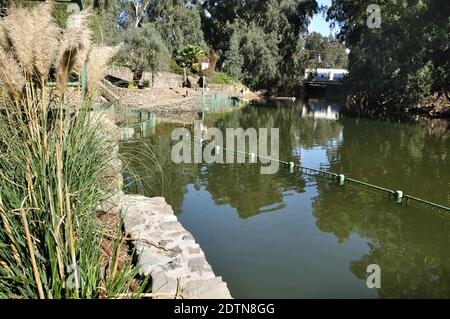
(190, 57)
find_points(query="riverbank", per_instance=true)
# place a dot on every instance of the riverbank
(167, 252)
(434, 107)
(164, 250)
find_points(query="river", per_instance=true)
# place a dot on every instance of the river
(289, 235)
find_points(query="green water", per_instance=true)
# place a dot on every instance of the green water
(295, 236)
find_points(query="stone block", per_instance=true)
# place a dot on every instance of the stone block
(213, 288)
(164, 286)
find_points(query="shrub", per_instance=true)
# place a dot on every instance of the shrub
(223, 78)
(146, 83)
(190, 57)
(54, 164)
(143, 50)
(174, 67)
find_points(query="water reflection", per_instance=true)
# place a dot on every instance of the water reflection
(290, 235)
(317, 109)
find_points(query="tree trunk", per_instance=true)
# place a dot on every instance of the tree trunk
(153, 78)
(137, 75)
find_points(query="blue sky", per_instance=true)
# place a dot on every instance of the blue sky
(318, 23)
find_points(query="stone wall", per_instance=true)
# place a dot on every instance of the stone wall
(166, 80)
(168, 252)
(162, 79)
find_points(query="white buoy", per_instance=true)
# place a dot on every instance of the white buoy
(291, 167)
(398, 196)
(341, 179)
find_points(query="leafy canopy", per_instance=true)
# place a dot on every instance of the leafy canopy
(144, 49)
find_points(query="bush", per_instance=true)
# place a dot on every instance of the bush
(144, 49)
(175, 68)
(146, 83)
(55, 168)
(223, 78)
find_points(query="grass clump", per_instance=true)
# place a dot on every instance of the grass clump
(54, 164)
(223, 78)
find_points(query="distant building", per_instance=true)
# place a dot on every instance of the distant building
(325, 74)
(205, 65)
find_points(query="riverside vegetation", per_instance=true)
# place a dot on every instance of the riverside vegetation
(401, 67)
(54, 164)
(55, 159)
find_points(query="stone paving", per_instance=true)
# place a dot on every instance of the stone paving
(168, 252)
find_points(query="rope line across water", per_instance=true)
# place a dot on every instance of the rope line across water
(340, 178)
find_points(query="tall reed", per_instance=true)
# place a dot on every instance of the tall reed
(53, 162)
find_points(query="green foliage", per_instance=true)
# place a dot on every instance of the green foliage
(259, 39)
(146, 83)
(234, 60)
(190, 57)
(174, 67)
(178, 22)
(261, 57)
(132, 85)
(144, 50)
(223, 78)
(403, 61)
(54, 168)
(104, 22)
(325, 52)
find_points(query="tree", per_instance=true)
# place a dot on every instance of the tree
(269, 38)
(405, 60)
(325, 51)
(144, 50)
(234, 61)
(135, 11)
(106, 24)
(189, 57)
(178, 22)
(261, 57)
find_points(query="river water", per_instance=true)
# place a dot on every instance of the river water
(289, 235)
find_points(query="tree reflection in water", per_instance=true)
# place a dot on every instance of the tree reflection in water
(410, 244)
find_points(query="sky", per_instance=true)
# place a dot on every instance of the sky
(318, 23)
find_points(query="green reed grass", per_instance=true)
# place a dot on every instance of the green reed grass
(52, 164)
(54, 168)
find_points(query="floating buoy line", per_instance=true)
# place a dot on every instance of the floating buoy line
(340, 179)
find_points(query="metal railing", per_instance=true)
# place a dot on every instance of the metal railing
(129, 119)
(216, 102)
